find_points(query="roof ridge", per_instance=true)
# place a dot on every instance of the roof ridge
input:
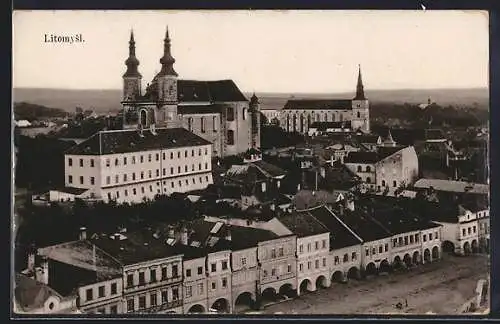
(345, 225)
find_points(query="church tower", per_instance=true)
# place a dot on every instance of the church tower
(360, 107)
(132, 78)
(255, 120)
(166, 79)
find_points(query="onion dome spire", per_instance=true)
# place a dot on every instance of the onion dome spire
(132, 62)
(360, 92)
(254, 99)
(167, 61)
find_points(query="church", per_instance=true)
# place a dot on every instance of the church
(346, 115)
(217, 111)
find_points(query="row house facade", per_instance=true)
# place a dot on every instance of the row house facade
(313, 249)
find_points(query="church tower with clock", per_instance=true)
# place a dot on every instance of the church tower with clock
(132, 78)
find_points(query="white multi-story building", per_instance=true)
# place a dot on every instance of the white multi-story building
(132, 165)
(313, 249)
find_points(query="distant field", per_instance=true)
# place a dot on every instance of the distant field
(106, 100)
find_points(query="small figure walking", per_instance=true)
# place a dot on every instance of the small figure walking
(406, 302)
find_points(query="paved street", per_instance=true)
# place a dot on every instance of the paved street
(441, 287)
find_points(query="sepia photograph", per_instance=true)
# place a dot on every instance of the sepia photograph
(262, 162)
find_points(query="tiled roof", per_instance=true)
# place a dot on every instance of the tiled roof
(71, 190)
(361, 224)
(254, 171)
(452, 186)
(340, 235)
(201, 91)
(31, 294)
(123, 141)
(199, 109)
(319, 104)
(365, 138)
(399, 221)
(81, 254)
(302, 223)
(370, 157)
(245, 237)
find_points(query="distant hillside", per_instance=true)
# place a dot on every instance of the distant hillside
(106, 100)
(29, 111)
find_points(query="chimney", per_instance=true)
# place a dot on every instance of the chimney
(171, 232)
(31, 258)
(45, 270)
(184, 236)
(332, 160)
(323, 172)
(228, 234)
(83, 234)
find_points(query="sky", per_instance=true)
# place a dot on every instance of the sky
(262, 51)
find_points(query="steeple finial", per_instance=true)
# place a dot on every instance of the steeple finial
(360, 92)
(167, 61)
(132, 62)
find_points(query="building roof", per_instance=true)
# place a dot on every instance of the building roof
(361, 223)
(340, 235)
(319, 104)
(136, 247)
(199, 109)
(370, 157)
(246, 237)
(452, 186)
(200, 91)
(124, 141)
(399, 221)
(302, 223)
(84, 255)
(434, 134)
(31, 294)
(367, 138)
(323, 126)
(71, 190)
(254, 171)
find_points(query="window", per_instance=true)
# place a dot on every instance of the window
(81, 162)
(230, 114)
(133, 159)
(224, 265)
(308, 247)
(125, 177)
(346, 257)
(188, 272)
(200, 270)
(214, 124)
(152, 299)
(411, 239)
(324, 262)
(301, 267)
(280, 252)
(189, 291)
(316, 245)
(113, 309)
(359, 168)
(81, 179)
(224, 282)
(308, 265)
(70, 179)
(430, 236)
(142, 175)
(185, 168)
(367, 252)
(142, 159)
(101, 291)
(213, 267)
(134, 191)
(117, 178)
(368, 169)
(142, 302)
(436, 234)
(424, 237)
(316, 264)
(108, 163)
(394, 184)
(386, 247)
(400, 241)
(142, 281)
(416, 238)
(175, 293)
(70, 162)
(149, 157)
(124, 160)
(175, 270)
(158, 172)
(164, 296)
(230, 137)
(150, 174)
(323, 244)
(406, 240)
(113, 288)
(178, 169)
(474, 229)
(468, 231)
(92, 164)
(374, 251)
(133, 176)
(463, 232)
(301, 248)
(273, 253)
(202, 122)
(354, 256)
(89, 294)
(163, 273)
(152, 275)
(273, 271)
(380, 249)
(200, 288)
(130, 305)
(126, 192)
(336, 259)
(214, 285)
